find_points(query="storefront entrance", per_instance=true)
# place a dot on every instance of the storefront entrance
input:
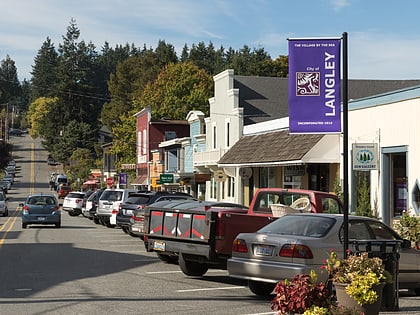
(394, 182)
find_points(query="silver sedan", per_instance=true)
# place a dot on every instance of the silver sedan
(298, 243)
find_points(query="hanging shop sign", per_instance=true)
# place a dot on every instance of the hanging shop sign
(365, 156)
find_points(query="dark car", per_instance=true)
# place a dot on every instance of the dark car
(92, 205)
(41, 209)
(136, 202)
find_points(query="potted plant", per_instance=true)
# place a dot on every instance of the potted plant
(302, 295)
(359, 281)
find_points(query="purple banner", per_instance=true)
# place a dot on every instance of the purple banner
(123, 178)
(314, 86)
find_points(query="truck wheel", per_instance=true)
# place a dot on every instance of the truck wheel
(261, 288)
(167, 258)
(192, 268)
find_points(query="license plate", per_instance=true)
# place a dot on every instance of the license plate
(264, 250)
(160, 246)
(127, 212)
(42, 218)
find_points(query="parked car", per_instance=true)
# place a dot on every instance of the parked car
(4, 203)
(109, 204)
(5, 186)
(10, 169)
(41, 209)
(89, 210)
(298, 243)
(15, 132)
(132, 223)
(73, 203)
(63, 191)
(10, 178)
(51, 161)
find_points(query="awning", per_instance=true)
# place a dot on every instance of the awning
(282, 148)
(140, 180)
(90, 182)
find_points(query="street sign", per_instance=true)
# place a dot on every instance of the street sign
(110, 181)
(166, 178)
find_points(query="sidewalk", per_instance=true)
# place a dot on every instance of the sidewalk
(409, 304)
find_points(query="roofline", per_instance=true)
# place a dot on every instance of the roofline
(263, 164)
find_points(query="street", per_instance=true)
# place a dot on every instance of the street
(84, 268)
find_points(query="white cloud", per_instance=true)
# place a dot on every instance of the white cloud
(338, 5)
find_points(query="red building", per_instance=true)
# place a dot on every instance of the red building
(149, 133)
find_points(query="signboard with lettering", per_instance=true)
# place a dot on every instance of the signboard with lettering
(365, 156)
(166, 178)
(314, 85)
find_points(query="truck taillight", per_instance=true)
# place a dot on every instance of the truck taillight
(239, 246)
(115, 211)
(296, 251)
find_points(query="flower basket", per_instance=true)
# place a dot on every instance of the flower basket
(280, 210)
(345, 300)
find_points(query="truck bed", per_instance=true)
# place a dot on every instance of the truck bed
(204, 229)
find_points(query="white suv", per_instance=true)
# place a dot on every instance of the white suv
(73, 203)
(109, 204)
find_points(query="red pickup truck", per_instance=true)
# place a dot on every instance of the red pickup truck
(199, 234)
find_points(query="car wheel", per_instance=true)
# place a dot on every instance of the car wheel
(192, 268)
(73, 214)
(58, 225)
(125, 230)
(168, 258)
(96, 221)
(417, 291)
(261, 288)
(24, 225)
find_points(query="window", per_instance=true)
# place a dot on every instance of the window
(214, 138)
(213, 189)
(144, 142)
(227, 133)
(230, 182)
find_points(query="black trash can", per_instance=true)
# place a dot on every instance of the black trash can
(389, 252)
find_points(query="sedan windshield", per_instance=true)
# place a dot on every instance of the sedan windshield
(312, 225)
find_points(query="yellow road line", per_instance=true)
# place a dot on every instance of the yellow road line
(10, 222)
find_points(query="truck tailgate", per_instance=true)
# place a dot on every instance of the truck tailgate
(170, 223)
(229, 225)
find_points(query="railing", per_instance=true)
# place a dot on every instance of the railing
(208, 157)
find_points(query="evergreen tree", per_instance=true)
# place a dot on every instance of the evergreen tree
(44, 71)
(10, 88)
(363, 207)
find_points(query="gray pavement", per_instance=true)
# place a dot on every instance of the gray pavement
(408, 304)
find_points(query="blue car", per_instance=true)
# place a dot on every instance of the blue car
(41, 209)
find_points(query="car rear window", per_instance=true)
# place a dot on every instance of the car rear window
(112, 195)
(313, 226)
(41, 200)
(75, 195)
(138, 200)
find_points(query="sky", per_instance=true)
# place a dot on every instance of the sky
(383, 35)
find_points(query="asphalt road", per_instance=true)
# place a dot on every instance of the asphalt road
(84, 268)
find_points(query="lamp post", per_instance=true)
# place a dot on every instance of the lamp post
(6, 122)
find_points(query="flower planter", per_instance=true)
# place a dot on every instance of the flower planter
(349, 302)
